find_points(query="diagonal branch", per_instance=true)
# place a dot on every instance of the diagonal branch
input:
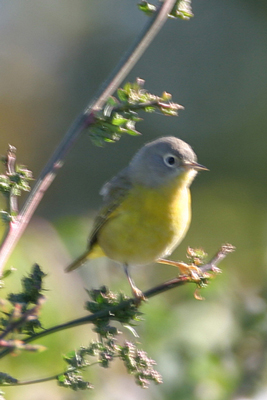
(84, 120)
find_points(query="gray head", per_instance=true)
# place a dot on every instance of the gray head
(160, 161)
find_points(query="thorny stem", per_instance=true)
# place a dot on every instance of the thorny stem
(84, 120)
(11, 199)
(108, 312)
(10, 170)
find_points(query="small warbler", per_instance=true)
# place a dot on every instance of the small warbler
(147, 207)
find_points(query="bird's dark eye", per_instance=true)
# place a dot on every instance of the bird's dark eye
(170, 160)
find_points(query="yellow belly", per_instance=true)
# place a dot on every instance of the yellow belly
(148, 225)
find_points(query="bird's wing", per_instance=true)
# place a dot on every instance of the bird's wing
(113, 193)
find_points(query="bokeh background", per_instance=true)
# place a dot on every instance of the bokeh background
(54, 55)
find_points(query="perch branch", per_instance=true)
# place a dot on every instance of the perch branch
(212, 266)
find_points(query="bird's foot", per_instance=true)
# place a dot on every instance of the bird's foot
(138, 295)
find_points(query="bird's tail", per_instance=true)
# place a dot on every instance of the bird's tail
(78, 262)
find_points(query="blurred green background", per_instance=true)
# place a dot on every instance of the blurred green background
(54, 55)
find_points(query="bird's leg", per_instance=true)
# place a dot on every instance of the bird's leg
(189, 270)
(138, 294)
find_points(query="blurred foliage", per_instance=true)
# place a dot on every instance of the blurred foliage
(105, 306)
(23, 318)
(32, 287)
(13, 182)
(106, 348)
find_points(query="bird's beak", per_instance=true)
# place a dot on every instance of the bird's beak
(196, 166)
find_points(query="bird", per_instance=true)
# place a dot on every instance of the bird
(146, 208)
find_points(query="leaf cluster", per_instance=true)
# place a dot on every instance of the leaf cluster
(120, 115)
(16, 182)
(182, 9)
(103, 298)
(13, 182)
(107, 348)
(32, 288)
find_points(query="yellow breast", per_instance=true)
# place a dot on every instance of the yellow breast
(148, 224)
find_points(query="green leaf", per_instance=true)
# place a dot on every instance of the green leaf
(120, 115)
(127, 88)
(122, 95)
(118, 119)
(74, 381)
(150, 109)
(182, 9)
(8, 272)
(148, 8)
(7, 379)
(112, 101)
(4, 184)
(5, 216)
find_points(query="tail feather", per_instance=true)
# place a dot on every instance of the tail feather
(78, 262)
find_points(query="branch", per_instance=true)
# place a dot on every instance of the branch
(42, 380)
(10, 170)
(112, 311)
(11, 199)
(30, 382)
(84, 120)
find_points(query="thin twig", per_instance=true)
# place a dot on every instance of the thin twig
(10, 170)
(42, 380)
(141, 106)
(109, 312)
(222, 253)
(84, 120)
(11, 199)
(30, 382)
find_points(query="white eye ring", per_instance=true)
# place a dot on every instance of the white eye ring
(170, 160)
